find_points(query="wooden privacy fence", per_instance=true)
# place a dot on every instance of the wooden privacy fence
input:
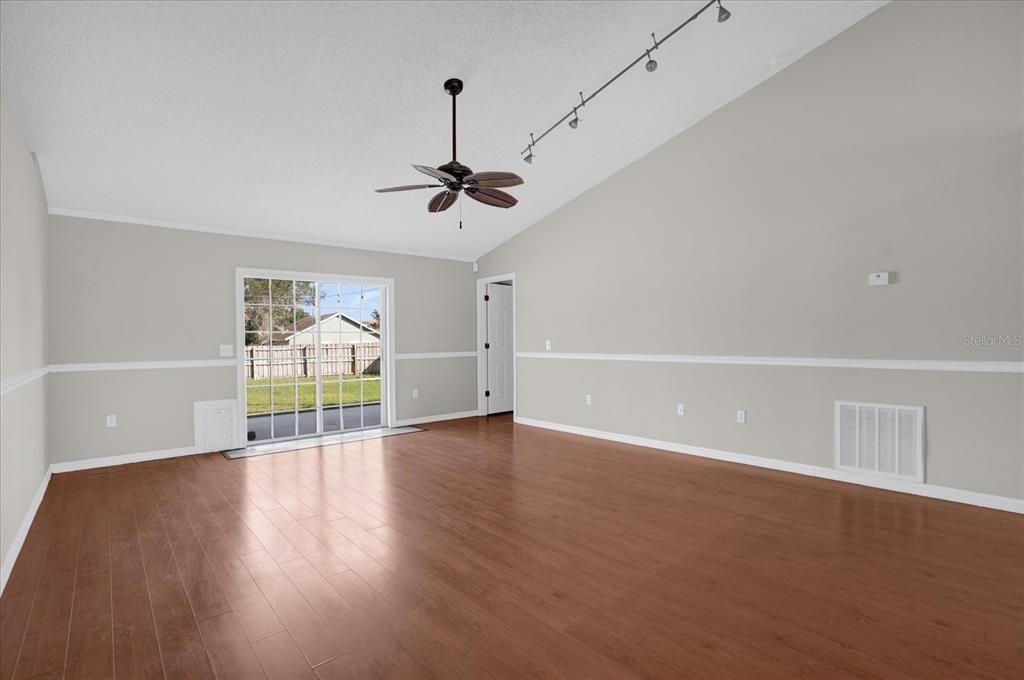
(286, 361)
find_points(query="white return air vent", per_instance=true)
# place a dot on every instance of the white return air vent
(880, 439)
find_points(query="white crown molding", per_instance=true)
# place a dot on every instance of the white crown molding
(405, 356)
(124, 219)
(433, 419)
(19, 538)
(1015, 505)
(22, 379)
(809, 362)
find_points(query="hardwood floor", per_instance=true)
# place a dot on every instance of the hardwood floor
(483, 550)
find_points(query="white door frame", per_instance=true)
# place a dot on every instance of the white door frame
(388, 416)
(481, 337)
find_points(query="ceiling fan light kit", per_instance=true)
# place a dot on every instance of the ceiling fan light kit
(649, 64)
(455, 178)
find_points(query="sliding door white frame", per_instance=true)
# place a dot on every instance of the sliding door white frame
(388, 415)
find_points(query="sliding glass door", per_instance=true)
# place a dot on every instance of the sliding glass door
(312, 358)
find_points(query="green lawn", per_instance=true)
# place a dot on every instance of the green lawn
(258, 393)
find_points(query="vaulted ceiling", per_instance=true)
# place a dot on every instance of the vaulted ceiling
(279, 119)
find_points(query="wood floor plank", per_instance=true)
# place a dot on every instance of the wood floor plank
(44, 646)
(258, 619)
(21, 588)
(483, 549)
(281, 659)
(303, 624)
(232, 656)
(90, 652)
(125, 551)
(8, 658)
(182, 651)
(136, 652)
(95, 543)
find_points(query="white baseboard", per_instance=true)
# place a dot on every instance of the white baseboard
(19, 539)
(107, 461)
(434, 419)
(930, 490)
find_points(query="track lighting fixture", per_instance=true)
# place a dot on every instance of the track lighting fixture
(529, 151)
(723, 13)
(649, 64)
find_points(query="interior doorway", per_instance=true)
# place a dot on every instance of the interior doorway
(496, 365)
(313, 355)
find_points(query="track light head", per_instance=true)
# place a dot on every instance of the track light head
(651, 65)
(723, 14)
(529, 150)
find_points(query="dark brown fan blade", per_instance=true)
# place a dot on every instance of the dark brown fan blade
(493, 179)
(499, 199)
(408, 187)
(442, 201)
(435, 173)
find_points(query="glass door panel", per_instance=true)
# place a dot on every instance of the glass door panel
(312, 357)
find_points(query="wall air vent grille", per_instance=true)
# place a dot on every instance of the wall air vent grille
(880, 439)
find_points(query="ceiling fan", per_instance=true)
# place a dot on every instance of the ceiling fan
(454, 177)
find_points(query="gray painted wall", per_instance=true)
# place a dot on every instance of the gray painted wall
(22, 330)
(126, 292)
(897, 146)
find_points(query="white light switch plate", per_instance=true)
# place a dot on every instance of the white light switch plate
(415, 393)
(588, 400)
(547, 345)
(112, 421)
(741, 417)
(680, 409)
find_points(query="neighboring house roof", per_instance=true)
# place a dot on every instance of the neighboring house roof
(309, 322)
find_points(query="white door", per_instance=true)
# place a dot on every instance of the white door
(498, 346)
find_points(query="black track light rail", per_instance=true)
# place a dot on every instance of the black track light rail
(645, 55)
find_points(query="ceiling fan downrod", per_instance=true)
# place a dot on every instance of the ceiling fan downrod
(453, 86)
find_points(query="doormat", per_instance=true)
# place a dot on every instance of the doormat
(316, 442)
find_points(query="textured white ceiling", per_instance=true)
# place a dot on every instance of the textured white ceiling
(279, 119)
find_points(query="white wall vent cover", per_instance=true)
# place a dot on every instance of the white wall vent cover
(880, 439)
(216, 425)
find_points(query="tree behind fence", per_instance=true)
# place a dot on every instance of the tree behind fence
(286, 361)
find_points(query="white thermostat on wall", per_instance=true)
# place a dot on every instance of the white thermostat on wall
(878, 279)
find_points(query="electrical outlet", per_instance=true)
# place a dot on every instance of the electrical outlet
(741, 417)
(547, 345)
(112, 420)
(680, 409)
(589, 401)
(415, 393)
